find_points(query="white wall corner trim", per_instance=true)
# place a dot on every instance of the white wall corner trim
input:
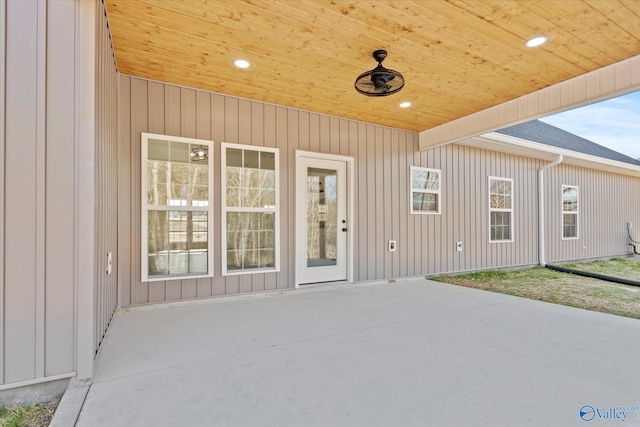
(3, 82)
(85, 185)
(614, 80)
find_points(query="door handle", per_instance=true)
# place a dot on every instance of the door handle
(344, 229)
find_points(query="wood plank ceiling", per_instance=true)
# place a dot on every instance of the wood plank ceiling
(457, 56)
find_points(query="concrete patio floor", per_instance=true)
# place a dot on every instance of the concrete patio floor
(410, 353)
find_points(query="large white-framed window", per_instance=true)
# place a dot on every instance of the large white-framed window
(425, 190)
(500, 209)
(177, 208)
(250, 209)
(570, 211)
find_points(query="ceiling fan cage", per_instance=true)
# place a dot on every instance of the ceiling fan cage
(380, 81)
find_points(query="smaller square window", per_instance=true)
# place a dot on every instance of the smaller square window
(425, 190)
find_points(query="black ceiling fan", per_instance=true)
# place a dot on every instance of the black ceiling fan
(380, 81)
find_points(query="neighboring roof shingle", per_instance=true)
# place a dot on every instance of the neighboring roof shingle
(544, 133)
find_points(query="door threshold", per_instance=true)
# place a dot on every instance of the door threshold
(331, 282)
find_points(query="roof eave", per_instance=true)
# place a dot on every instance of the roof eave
(495, 141)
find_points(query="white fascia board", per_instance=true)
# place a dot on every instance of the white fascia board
(613, 80)
(495, 141)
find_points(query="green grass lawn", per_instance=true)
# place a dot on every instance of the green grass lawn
(561, 288)
(36, 415)
(628, 268)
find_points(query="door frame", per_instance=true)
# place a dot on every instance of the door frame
(300, 217)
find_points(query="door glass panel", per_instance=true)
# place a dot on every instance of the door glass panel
(322, 221)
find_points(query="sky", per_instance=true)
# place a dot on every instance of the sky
(614, 123)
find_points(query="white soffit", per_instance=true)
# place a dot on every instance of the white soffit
(614, 80)
(523, 147)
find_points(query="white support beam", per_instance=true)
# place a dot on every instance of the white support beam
(614, 80)
(85, 188)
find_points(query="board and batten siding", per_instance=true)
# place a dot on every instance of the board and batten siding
(426, 244)
(106, 178)
(37, 199)
(39, 187)
(607, 201)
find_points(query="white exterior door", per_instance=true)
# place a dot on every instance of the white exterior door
(322, 227)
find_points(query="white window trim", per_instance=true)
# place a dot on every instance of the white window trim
(576, 212)
(145, 208)
(224, 210)
(422, 190)
(511, 226)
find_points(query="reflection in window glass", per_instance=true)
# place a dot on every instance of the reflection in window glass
(569, 212)
(500, 209)
(251, 208)
(177, 207)
(425, 190)
(178, 243)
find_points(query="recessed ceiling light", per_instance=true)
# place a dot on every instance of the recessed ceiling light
(537, 41)
(242, 63)
(405, 104)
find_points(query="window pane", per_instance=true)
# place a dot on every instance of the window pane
(507, 202)
(494, 186)
(251, 178)
(178, 195)
(199, 174)
(234, 157)
(570, 225)
(179, 173)
(234, 177)
(158, 243)
(425, 202)
(433, 181)
(425, 179)
(507, 187)
(158, 150)
(198, 154)
(500, 225)
(251, 197)
(250, 240)
(251, 159)
(267, 179)
(233, 196)
(419, 179)
(570, 199)
(267, 160)
(179, 152)
(178, 242)
(268, 199)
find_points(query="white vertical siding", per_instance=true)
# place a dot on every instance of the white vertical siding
(426, 244)
(20, 191)
(37, 196)
(148, 106)
(607, 201)
(106, 178)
